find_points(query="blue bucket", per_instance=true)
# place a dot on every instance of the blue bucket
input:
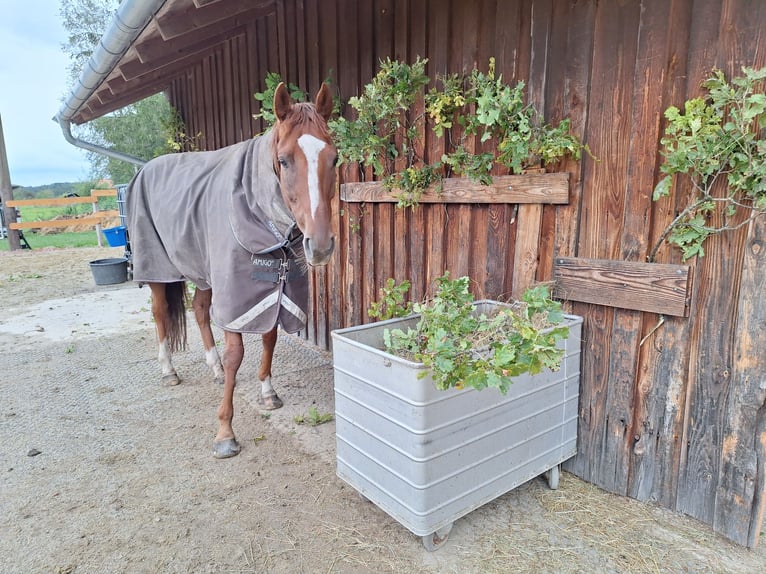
(115, 236)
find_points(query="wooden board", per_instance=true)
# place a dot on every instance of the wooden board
(91, 220)
(530, 188)
(654, 287)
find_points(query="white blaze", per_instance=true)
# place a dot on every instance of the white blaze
(312, 147)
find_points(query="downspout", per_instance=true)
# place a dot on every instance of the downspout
(131, 18)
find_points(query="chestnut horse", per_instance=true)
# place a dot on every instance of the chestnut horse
(240, 223)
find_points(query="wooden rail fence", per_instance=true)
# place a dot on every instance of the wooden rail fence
(96, 219)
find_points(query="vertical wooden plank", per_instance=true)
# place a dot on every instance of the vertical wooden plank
(347, 266)
(655, 434)
(312, 39)
(240, 93)
(572, 83)
(554, 93)
(477, 260)
(709, 349)
(384, 244)
(741, 492)
(333, 283)
(227, 95)
(436, 237)
(525, 256)
(417, 30)
(283, 41)
(638, 91)
(496, 240)
(741, 482)
(604, 431)
(300, 43)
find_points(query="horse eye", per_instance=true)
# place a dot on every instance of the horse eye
(335, 161)
(283, 162)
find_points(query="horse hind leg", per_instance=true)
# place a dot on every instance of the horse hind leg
(161, 323)
(201, 305)
(268, 398)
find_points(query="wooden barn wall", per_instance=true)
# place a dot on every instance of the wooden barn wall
(673, 414)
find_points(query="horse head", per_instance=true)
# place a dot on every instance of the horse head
(304, 161)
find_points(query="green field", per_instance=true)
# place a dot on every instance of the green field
(43, 213)
(76, 239)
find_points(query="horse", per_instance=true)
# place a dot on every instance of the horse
(243, 224)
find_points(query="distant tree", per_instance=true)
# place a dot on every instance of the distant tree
(143, 130)
(85, 22)
(146, 129)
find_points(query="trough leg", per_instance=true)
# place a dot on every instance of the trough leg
(268, 399)
(225, 444)
(201, 304)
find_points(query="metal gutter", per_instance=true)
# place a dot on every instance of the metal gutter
(131, 18)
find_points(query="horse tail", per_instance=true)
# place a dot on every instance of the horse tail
(177, 299)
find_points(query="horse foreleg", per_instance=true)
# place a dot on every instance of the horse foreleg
(161, 317)
(268, 399)
(201, 305)
(225, 444)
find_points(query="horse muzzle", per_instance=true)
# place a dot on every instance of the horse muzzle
(318, 253)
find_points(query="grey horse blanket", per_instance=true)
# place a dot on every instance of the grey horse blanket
(217, 219)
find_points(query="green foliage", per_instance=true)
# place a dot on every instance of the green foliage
(393, 303)
(386, 135)
(145, 129)
(717, 136)
(383, 130)
(266, 97)
(313, 418)
(463, 348)
(85, 22)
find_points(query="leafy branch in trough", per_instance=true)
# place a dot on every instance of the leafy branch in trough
(463, 347)
(717, 141)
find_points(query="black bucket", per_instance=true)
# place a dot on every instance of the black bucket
(109, 271)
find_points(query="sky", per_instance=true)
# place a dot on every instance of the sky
(33, 85)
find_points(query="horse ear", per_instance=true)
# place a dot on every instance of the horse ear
(282, 103)
(324, 103)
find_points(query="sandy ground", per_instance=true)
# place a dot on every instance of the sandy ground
(103, 469)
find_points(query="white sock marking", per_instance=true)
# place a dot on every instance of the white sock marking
(164, 358)
(312, 147)
(213, 360)
(266, 387)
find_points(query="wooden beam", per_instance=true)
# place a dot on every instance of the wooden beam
(187, 55)
(154, 47)
(187, 18)
(90, 220)
(549, 188)
(52, 201)
(652, 287)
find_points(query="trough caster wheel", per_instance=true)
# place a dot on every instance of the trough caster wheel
(552, 476)
(436, 540)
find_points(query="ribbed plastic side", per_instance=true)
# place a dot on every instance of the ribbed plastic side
(428, 457)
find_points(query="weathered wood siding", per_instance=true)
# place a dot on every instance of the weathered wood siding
(674, 415)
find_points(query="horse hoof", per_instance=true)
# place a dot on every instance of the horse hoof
(226, 448)
(171, 379)
(270, 402)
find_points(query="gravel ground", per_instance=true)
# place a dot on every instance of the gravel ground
(103, 469)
